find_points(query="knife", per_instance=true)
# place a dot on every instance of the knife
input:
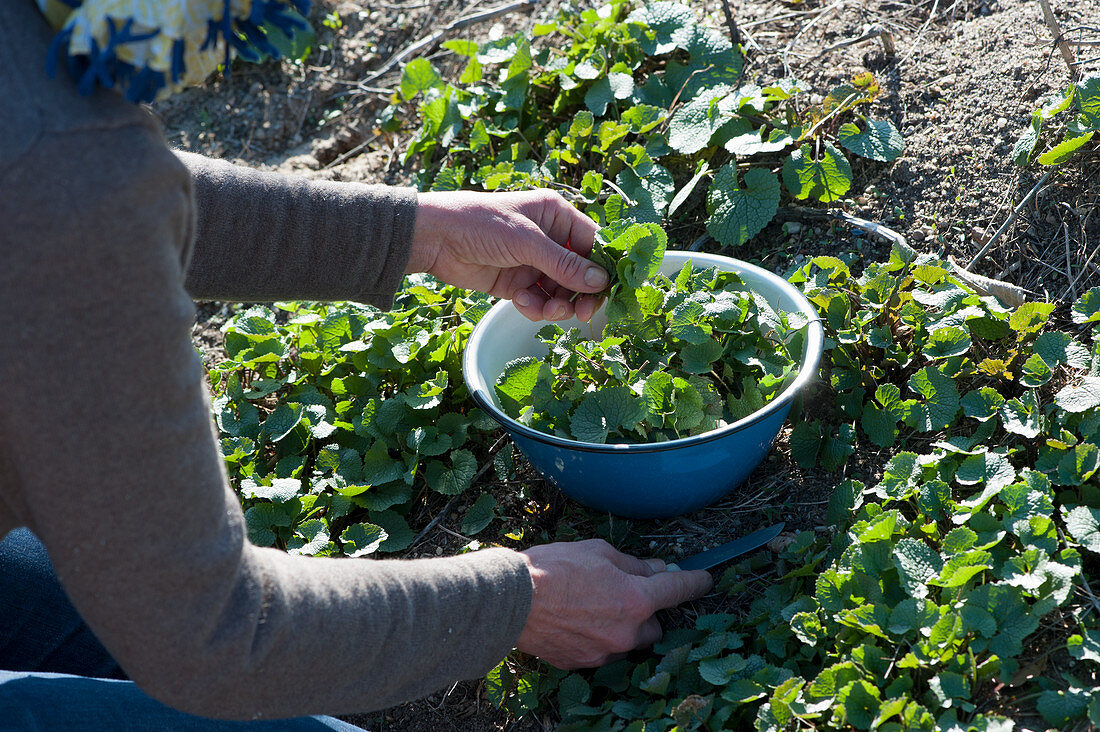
(729, 550)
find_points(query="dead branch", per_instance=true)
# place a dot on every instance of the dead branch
(438, 35)
(1059, 38)
(1008, 222)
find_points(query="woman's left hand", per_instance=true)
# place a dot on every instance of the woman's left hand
(527, 246)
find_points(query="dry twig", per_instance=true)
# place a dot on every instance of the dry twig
(1059, 37)
(1008, 222)
(438, 35)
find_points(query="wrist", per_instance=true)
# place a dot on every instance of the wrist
(426, 234)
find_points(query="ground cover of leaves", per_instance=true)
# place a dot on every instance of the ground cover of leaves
(961, 89)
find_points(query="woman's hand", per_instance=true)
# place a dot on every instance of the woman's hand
(529, 247)
(593, 603)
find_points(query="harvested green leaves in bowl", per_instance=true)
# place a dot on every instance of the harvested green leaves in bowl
(678, 356)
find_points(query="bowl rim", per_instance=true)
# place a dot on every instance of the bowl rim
(815, 338)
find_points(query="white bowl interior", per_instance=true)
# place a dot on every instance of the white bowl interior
(504, 334)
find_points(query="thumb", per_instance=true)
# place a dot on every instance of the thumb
(669, 589)
(567, 268)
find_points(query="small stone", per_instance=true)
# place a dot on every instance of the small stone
(791, 228)
(917, 235)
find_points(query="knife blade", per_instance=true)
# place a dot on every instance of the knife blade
(729, 550)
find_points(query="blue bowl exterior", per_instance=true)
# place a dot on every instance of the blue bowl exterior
(655, 488)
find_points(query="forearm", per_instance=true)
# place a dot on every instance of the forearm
(262, 237)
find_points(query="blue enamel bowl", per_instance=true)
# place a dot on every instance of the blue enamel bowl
(656, 480)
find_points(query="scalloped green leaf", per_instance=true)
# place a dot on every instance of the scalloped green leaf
(982, 404)
(946, 342)
(879, 140)
(691, 128)
(1086, 646)
(1086, 309)
(1021, 416)
(670, 22)
(827, 179)
(737, 214)
(1083, 524)
(1079, 397)
(479, 515)
(1028, 141)
(941, 396)
(419, 76)
(362, 539)
(1087, 96)
(452, 480)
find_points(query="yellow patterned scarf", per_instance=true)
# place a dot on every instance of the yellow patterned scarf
(149, 49)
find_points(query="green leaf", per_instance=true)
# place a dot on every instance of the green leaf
(949, 686)
(419, 76)
(605, 411)
(1021, 416)
(379, 467)
(947, 342)
(880, 140)
(961, 568)
(454, 480)
(1035, 372)
(282, 421)
(880, 425)
(1083, 524)
(860, 702)
(843, 502)
(990, 467)
(399, 536)
(671, 23)
(917, 564)
(1063, 706)
(826, 179)
(516, 382)
(941, 396)
(1057, 348)
(1030, 317)
(1087, 307)
(693, 125)
(982, 404)
(362, 539)
(311, 538)
(1064, 150)
(1085, 647)
(607, 89)
(479, 515)
(1087, 96)
(738, 214)
(1029, 139)
(720, 671)
(1079, 397)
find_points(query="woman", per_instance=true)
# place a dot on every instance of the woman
(108, 457)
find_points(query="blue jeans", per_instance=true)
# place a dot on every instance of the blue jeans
(59, 677)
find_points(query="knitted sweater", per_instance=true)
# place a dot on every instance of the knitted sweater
(107, 450)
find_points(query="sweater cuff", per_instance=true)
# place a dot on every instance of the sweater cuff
(511, 595)
(399, 225)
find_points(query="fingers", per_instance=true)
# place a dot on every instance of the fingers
(567, 268)
(669, 589)
(649, 633)
(563, 223)
(535, 304)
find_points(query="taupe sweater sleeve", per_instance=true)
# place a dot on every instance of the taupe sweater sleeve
(263, 236)
(107, 450)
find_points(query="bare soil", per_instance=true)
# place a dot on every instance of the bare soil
(961, 86)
